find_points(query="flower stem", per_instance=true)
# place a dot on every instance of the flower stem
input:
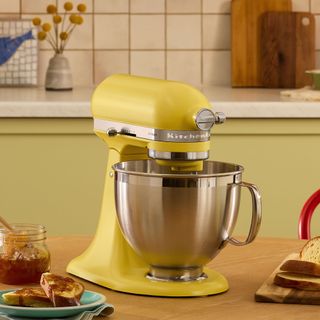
(69, 34)
(56, 34)
(62, 27)
(51, 38)
(52, 45)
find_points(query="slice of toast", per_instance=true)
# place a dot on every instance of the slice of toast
(301, 267)
(62, 291)
(297, 281)
(27, 297)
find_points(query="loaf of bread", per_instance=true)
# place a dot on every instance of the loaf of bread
(297, 281)
(303, 274)
(27, 297)
(62, 291)
(311, 251)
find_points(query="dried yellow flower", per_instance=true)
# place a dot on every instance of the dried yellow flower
(73, 18)
(64, 35)
(68, 6)
(81, 7)
(42, 35)
(51, 9)
(58, 40)
(79, 20)
(36, 21)
(57, 19)
(46, 27)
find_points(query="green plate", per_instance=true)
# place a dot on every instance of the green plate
(89, 301)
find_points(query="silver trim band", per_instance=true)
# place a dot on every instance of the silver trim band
(114, 128)
(177, 156)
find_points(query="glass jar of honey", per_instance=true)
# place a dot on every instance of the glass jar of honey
(24, 255)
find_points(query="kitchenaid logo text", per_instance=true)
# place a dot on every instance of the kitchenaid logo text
(173, 136)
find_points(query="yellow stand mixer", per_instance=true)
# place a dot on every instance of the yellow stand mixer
(142, 118)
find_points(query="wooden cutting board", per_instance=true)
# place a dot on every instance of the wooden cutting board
(287, 49)
(245, 38)
(269, 292)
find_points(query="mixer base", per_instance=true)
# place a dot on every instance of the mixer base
(135, 281)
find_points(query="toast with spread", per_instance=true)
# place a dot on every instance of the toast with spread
(27, 297)
(55, 291)
(62, 291)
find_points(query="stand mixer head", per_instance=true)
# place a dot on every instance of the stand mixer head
(169, 122)
(171, 119)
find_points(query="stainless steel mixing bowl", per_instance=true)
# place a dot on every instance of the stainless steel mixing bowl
(178, 222)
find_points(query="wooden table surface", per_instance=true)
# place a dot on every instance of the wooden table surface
(246, 268)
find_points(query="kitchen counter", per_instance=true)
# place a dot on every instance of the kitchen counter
(37, 102)
(246, 268)
(235, 103)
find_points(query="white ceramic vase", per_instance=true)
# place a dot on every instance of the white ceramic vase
(58, 76)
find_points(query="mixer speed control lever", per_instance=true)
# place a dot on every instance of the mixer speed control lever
(112, 132)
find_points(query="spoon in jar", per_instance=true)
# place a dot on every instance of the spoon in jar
(6, 225)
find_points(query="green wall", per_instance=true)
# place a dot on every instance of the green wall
(52, 171)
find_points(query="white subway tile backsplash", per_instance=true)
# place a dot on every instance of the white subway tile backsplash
(217, 67)
(148, 63)
(147, 32)
(9, 6)
(111, 31)
(107, 63)
(32, 6)
(216, 32)
(183, 32)
(301, 5)
(216, 6)
(183, 6)
(315, 6)
(147, 6)
(114, 6)
(184, 66)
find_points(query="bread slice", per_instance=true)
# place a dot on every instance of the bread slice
(301, 267)
(311, 250)
(62, 291)
(27, 297)
(297, 281)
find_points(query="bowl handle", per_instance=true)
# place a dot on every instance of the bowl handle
(256, 215)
